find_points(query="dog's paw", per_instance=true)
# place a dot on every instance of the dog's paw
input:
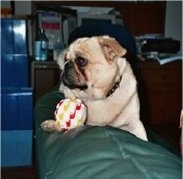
(49, 125)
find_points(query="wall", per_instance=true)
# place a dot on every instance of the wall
(5, 4)
(21, 7)
(173, 21)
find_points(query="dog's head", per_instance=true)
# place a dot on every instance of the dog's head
(91, 66)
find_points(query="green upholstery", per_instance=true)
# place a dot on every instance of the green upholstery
(91, 152)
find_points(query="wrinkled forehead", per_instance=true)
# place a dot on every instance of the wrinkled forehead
(82, 46)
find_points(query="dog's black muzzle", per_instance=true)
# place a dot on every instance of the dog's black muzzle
(68, 77)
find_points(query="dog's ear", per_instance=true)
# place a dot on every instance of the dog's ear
(111, 47)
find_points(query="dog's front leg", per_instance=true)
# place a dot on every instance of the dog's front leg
(103, 112)
(99, 113)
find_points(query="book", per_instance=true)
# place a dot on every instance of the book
(167, 58)
(162, 58)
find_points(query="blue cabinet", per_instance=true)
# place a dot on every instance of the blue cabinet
(16, 95)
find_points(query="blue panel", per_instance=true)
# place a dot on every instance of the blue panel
(21, 71)
(25, 116)
(13, 36)
(7, 37)
(14, 70)
(20, 38)
(16, 109)
(7, 70)
(14, 57)
(16, 148)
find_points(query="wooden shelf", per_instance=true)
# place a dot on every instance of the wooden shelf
(139, 17)
(44, 76)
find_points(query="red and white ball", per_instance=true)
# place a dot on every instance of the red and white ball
(70, 113)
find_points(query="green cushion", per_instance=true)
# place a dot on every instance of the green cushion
(97, 152)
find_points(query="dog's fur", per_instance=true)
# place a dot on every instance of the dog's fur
(90, 69)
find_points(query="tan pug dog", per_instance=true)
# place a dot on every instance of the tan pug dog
(94, 70)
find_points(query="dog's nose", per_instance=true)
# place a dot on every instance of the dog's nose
(67, 80)
(68, 65)
(66, 76)
(70, 78)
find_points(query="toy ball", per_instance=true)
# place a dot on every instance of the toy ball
(70, 113)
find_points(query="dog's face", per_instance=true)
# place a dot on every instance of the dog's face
(91, 65)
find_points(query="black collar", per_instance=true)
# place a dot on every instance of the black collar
(116, 85)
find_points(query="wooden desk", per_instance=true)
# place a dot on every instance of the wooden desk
(162, 97)
(44, 77)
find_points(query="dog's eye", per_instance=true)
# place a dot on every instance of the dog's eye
(80, 61)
